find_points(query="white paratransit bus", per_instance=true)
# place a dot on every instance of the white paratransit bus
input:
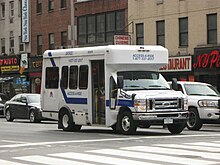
(117, 86)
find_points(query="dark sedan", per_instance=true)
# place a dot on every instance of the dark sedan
(23, 106)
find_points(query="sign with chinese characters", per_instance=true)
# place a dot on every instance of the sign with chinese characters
(180, 63)
(25, 21)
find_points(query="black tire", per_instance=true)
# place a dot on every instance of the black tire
(194, 122)
(33, 117)
(67, 123)
(126, 123)
(176, 128)
(8, 115)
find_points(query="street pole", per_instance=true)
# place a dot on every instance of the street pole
(72, 23)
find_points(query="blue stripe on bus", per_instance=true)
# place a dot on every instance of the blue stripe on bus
(51, 59)
(73, 100)
(127, 103)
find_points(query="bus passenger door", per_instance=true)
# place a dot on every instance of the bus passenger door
(98, 92)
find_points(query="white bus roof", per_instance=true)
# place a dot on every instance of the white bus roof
(118, 54)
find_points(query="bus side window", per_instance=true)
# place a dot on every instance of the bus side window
(73, 77)
(52, 77)
(64, 77)
(83, 77)
(113, 93)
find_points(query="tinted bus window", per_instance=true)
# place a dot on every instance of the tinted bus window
(73, 77)
(83, 77)
(52, 77)
(64, 77)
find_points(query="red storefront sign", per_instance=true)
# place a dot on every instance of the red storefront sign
(208, 60)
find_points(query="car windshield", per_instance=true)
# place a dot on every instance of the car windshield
(34, 98)
(201, 90)
(142, 80)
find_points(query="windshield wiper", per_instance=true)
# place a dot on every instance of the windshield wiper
(158, 86)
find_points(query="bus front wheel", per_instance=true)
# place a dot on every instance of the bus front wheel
(126, 123)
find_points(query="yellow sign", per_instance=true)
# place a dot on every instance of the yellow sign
(9, 68)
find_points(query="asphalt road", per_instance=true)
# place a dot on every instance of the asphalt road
(24, 143)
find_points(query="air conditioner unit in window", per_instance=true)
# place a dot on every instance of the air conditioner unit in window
(11, 50)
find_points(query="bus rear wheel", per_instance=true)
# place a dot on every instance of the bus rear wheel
(67, 123)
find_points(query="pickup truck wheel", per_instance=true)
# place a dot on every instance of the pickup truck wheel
(126, 123)
(67, 123)
(194, 122)
(176, 128)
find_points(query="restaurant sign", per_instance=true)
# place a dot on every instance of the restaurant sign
(180, 63)
(9, 64)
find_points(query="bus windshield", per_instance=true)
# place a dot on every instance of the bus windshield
(142, 80)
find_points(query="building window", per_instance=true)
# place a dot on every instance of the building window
(91, 29)
(21, 45)
(100, 25)
(50, 5)
(2, 10)
(39, 6)
(110, 26)
(183, 31)
(51, 41)
(12, 45)
(161, 33)
(100, 28)
(2, 45)
(120, 24)
(140, 34)
(212, 28)
(11, 14)
(64, 39)
(39, 45)
(82, 30)
(63, 4)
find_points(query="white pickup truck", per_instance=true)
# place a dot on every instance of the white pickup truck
(203, 103)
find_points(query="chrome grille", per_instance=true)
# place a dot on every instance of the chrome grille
(172, 103)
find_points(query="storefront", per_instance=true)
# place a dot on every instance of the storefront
(35, 69)
(11, 81)
(179, 67)
(206, 64)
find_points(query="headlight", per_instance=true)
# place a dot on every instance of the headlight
(185, 104)
(208, 103)
(140, 104)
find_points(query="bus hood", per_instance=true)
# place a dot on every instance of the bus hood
(143, 94)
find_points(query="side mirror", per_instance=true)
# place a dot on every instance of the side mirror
(24, 101)
(174, 85)
(120, 82)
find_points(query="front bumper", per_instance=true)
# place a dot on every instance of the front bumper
(161, 118)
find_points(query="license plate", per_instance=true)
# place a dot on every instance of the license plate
(168, 121)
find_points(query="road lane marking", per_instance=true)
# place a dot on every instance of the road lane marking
(100, 159)
(185, 146)
(178, 152)
(209, 144)
(5, 162)
(50, 161)
(103, 140)
(154, 157)
(12, 141)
